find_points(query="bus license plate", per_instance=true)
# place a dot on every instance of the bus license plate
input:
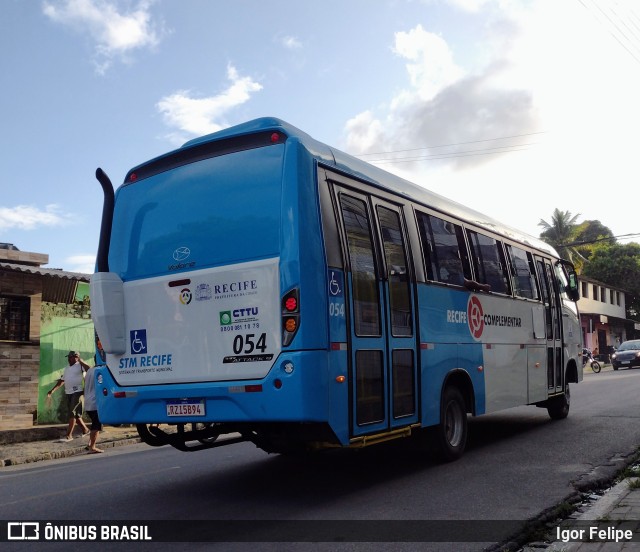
(185, 408)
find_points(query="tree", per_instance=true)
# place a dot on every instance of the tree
(618, 266)
(560, 233)
(592, 232)
(589, 235)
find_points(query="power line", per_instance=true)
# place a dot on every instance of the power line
(454, 144)
(609, 30)
(634, 19)
(587, 242)
(467, 153)
(509, 148)
(636, 36)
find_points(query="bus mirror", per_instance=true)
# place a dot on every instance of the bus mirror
(570, 284)
(573, 291)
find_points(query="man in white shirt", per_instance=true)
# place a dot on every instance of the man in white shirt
(72, 379)
(91, 408)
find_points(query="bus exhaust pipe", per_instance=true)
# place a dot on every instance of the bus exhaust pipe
(102, 259)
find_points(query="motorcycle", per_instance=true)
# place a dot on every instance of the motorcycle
(587, 356)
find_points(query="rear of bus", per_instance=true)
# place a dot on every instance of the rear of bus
(214, 270)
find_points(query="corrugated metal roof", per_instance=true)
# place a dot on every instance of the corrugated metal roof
(58, 286)
(50, 272)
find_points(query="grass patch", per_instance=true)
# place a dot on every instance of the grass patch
(630, 471)
(634, 483)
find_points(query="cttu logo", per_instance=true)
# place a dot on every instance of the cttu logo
(247, 314)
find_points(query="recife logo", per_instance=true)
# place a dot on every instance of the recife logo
(475, 317)
(144, 363)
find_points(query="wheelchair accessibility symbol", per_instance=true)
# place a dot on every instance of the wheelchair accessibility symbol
(138, 340)
(335, 284)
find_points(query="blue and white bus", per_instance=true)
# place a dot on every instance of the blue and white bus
(258, 284)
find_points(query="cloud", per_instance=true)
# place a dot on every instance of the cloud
(472, 6)
(116, 34)
(431, 66)
(364, 132)
(444, 105)
(28, 217)
(291, 42)
(521, 73)
(199, 116)
(81, 263)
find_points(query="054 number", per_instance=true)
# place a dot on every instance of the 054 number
(246, 344)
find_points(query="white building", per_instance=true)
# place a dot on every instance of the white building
(603, 316)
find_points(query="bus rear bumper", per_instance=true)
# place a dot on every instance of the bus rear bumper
(285, 395)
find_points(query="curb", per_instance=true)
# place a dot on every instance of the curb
(75, 451)
(606, 503)
(598, 511)
(42, 433)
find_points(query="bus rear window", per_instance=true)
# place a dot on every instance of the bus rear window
(216, 211)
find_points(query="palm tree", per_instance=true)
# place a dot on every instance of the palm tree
(560, 233)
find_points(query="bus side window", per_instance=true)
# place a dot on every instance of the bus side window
(524, 282)
(444, 255)
(397, 272)
(366, 302)
(489, 262)
(546, 298)
(536, 283)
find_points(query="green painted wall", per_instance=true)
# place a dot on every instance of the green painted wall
(59, 335)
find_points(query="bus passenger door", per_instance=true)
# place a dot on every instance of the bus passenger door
(553, 317)
(381, 319)
(400, 320)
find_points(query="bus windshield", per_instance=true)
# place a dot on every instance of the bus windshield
(206, 213)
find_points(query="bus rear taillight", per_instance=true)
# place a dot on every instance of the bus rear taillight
(290, 316)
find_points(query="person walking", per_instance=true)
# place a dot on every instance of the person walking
(91, 408)
(72, 379)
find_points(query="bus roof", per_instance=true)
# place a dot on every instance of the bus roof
(376, 176)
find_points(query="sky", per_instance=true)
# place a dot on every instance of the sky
(514, 108)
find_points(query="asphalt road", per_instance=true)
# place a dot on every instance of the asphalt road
(518, 464)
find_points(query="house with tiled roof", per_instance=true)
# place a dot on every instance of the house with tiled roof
(43, 313)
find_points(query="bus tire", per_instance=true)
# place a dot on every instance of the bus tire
(206, 427)
(152, 439)
(558, 407)
(451, 433)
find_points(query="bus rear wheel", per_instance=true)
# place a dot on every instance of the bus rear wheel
(451, 434)
(558, 407)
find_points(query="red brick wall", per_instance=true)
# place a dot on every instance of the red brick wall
(20, 362)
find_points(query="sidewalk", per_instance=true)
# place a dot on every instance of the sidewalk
(618, 507)
(23, 446)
